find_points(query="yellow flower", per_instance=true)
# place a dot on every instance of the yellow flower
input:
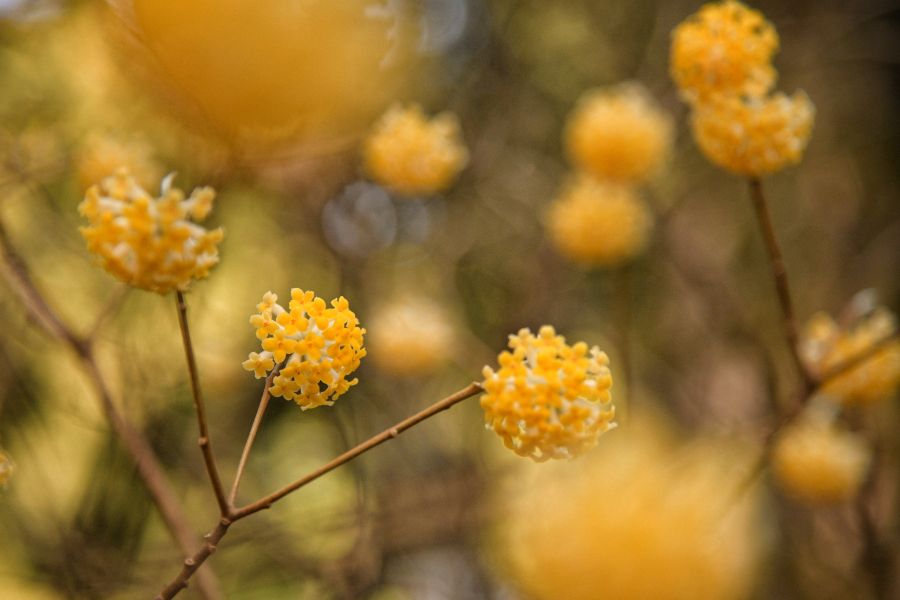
(6, 468)
(150, 243)
(413, 155)
(410, 337)
(639, 518)
(725, 48)
(103, 156)
(548, 399)
(826, 347)
(754, 136)
(597, 223)
(816, 462)
(321, 345)
(618, 133)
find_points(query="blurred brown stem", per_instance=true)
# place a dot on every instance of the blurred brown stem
(779, 273)
(213, 538)
(622, 301)
(251, 437)
(141, 452)
(203, 441)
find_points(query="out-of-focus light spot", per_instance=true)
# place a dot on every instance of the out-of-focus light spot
(361, 220)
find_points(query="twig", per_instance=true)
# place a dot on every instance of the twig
(251, 437)
(213, 538)
(203, 441)
(779, 273)
(137, 446)
(876, 558)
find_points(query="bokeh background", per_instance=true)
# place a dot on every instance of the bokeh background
(269, 104)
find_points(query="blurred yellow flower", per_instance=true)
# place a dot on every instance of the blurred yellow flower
(597, 223)
(754, 136)
(618, 133)
(315, 71)
(6, 468)
(548, 399)
(816, 462)
(825, 346)
(413, 155)
(322, 347)
(640, 518)
(103, 156)
(410, 337)
(724, 48)
(150, 243)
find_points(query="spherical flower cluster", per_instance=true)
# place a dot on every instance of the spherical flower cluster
(410, 337)
(102, 156)
(6, 468)
(816, 462)
(826, 347)
(618, 133)
(754, 136)
(597, 223)
(150, 243)
(725, 48)
(322, 346)
(548, 399)
(413, 155)
(639, 518)
(721, 60)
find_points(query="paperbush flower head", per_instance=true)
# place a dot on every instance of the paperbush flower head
(597, 223)
(150, 243)
(103, 156)
(6, 468)
(638, 519)
(825, 346)
(618, 133)
(321, 345)
(413, 155)
(410, 337)
(725, 48)
(548, 399)
(817, 462)
(754, 135)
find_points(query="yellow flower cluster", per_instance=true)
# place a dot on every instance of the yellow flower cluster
(639, 518)
(413, 155)
(150, 243)
(616, 137)
(721, 61)
(816, 462)
(548, 399)
(754, 136)
(618, 133)
(826, 347)
(321, 345)
(6, 468)
(725, 48)
(597, 223)
(410, 337)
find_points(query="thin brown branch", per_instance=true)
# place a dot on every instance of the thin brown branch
(215, 536)
(251, 437)
(779, 274)
(141, 452)
(390, 433)
(203, 441)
